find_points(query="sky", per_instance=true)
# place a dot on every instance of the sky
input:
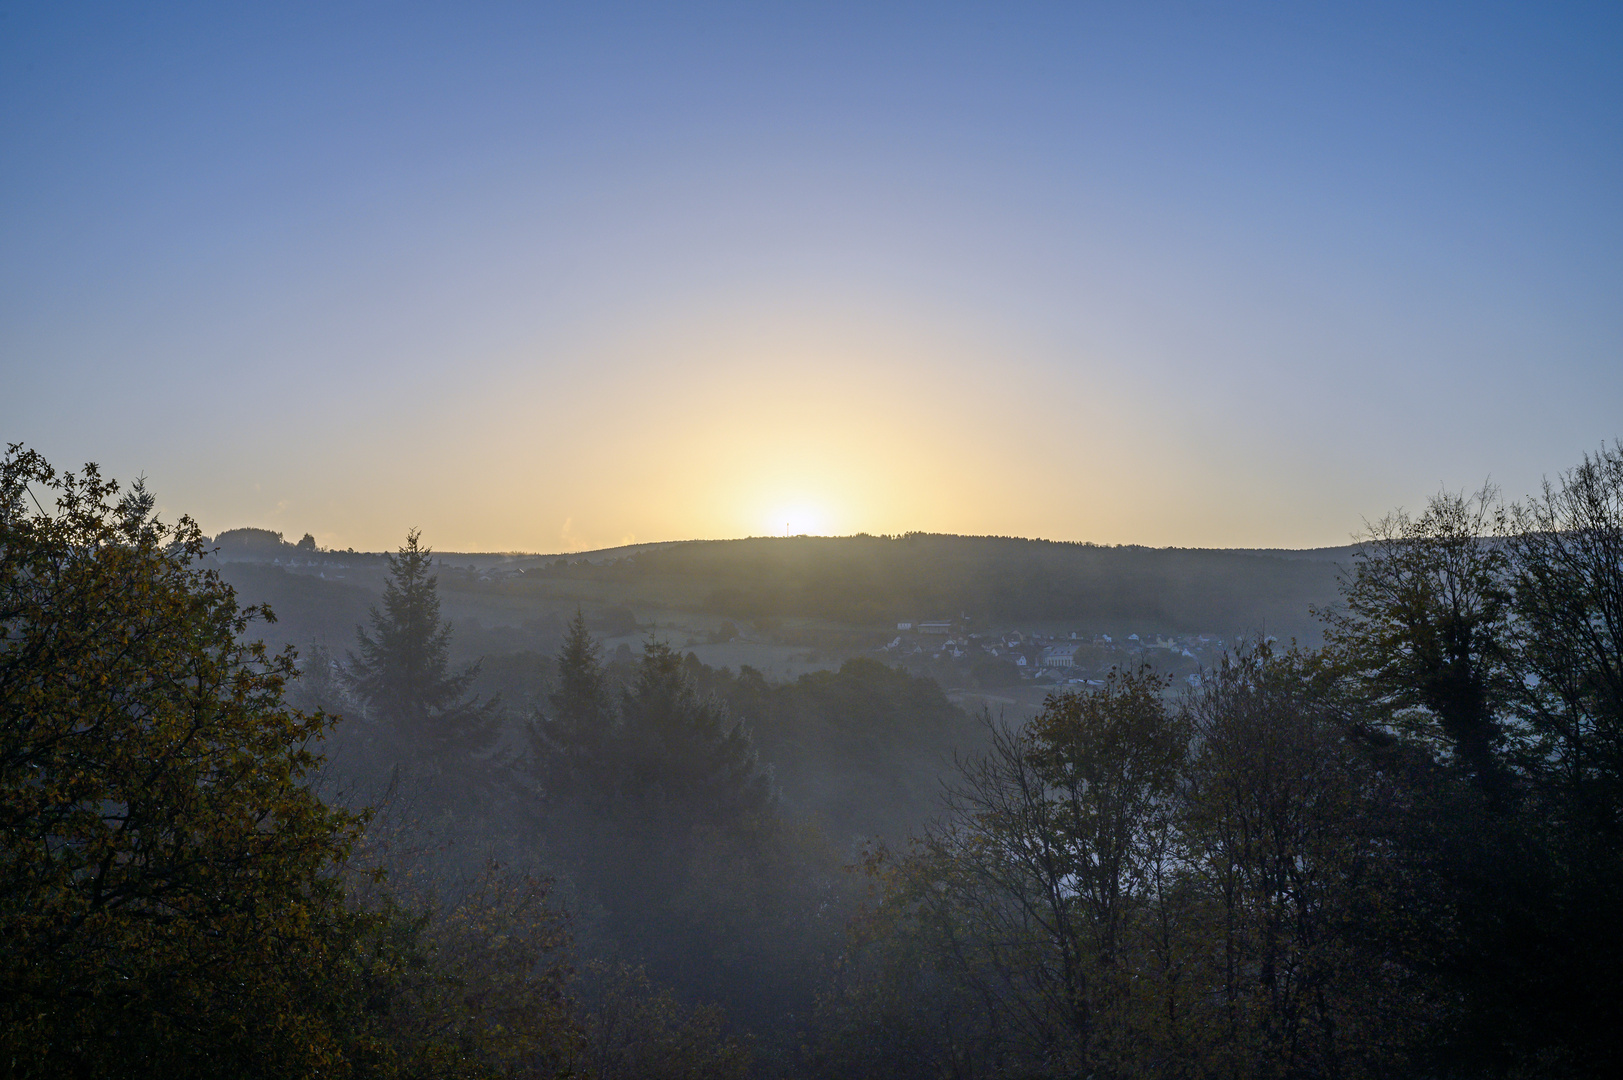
(548, 277)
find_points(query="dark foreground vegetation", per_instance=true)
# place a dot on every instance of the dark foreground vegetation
(1396, 855)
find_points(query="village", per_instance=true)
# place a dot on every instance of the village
(1070, 658)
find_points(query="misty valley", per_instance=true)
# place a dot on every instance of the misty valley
(857, 714)
(917, 806)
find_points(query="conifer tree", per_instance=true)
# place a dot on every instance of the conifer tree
(679, 751)
(580, 704)
(403, 675)
(568, 739)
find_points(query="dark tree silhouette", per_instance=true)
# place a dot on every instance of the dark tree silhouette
(402, 672)
(165, 888)
(571, 736)
(679, 752)
(1568, 554)
(1424, 627)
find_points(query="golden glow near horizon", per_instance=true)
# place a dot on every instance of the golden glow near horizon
(798, 519)
(553, 285)
(746, 416)
(735, 426)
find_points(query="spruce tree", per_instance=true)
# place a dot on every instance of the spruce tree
(403, 675)
(680, 755)
(569, 738)
(580, 704)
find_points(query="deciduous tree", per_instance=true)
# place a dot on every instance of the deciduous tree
(165, 901)
(1567, 553)
(1424, 627)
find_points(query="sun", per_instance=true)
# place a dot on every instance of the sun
(797, 520)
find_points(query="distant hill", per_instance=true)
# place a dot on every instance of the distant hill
(985, 580)
(874, 582)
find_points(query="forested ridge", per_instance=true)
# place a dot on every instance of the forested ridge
(1398, 853)
(999, 579)
(877, 581)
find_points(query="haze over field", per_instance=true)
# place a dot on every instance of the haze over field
(553, 278)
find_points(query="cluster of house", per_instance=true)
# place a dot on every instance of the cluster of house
(1051, 656)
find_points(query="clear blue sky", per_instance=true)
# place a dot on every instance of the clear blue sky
(544, 276)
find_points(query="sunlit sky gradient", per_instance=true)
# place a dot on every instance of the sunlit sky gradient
(549, 277)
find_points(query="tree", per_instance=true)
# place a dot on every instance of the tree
(1064, 830)
(403, 670)
(1424, 627)
(638, 1030)
(135, 508)
(655, 800)
(1558, 997)
(1284, 833)
(679, 757)
(860, 747)
(166, 906)
(460, 978)
(581, 701)
(1567, 553)
(1034, 899)
(568, 741)
(1120, 889)
(1494, 636)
